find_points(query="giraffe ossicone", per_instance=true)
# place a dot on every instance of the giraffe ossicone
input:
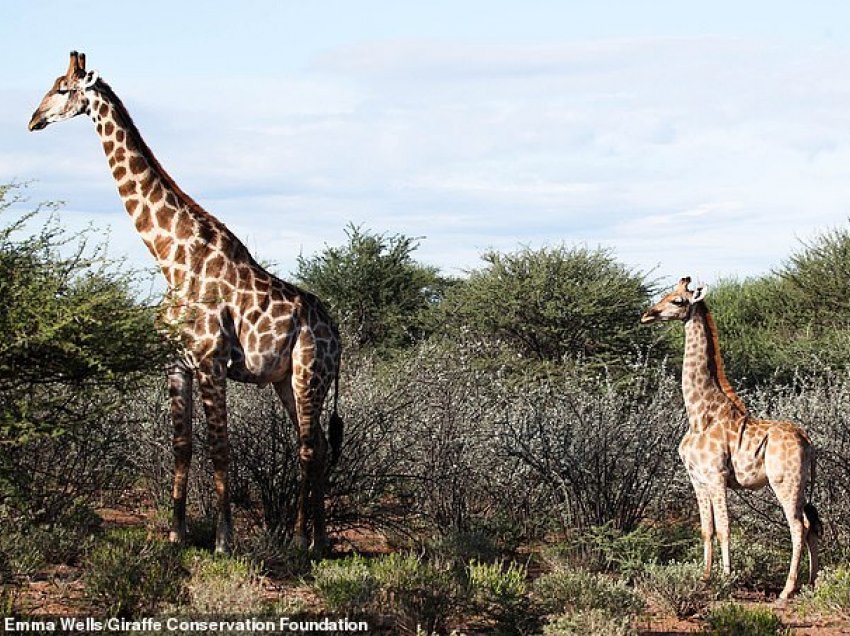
(231, 318)
(725, 447)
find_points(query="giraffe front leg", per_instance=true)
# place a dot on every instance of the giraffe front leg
(180, 392)
(706, 519)
(212, 387)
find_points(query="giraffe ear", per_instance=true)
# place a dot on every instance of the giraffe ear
(91, 79)
(699, 294)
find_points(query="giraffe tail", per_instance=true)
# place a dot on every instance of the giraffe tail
(810, 513)
(335, 426)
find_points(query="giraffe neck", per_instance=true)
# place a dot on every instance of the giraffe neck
(704, 383)
(173, 227)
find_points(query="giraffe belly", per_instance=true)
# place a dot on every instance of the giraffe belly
(256, 368)
(747, 475)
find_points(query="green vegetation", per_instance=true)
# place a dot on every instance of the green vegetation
(499, 590)
(510, 438)
(832, 594)
(681, 589)
(73, 342)
(606, 549)
(130, 574)
(346, 586)
(575, 589)
(592, 622)
(553, 305)
(733, 619)
(217, 584)
(381, 297)
(412, 591)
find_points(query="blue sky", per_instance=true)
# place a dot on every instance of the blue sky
(704, 140)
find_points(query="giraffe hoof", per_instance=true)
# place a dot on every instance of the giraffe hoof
(319, 549)
(222, 548)
(177, 537)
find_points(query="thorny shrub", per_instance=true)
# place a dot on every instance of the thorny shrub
(593, 622)
(439, 441)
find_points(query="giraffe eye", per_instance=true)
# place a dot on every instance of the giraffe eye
(678, 301)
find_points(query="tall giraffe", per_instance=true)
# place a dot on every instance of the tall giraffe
(231, 318)
(726, 446)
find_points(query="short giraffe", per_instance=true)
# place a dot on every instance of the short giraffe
(726, 447)
(231, 317)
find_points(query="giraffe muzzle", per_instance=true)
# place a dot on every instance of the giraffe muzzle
(37, 123)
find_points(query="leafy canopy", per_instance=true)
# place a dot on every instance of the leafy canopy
(73, 337)
(376, 290)
(557, 303)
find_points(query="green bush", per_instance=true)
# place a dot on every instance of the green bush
(592, 622)
(459, 547)
(9, 599)
(573, 590)
(27, 548)
(499, 591)
(20, 555)
(607, 549)
(219, 585)
(379, 294)
(831, 594)
(347, 586)
(274, 554)
(129, 574)
(761, 566)
(74, 340)
(680, 588)
(409, 590)
(733, 619)
(415, 592)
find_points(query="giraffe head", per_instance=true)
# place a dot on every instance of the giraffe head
(68, 97)
(676, 305)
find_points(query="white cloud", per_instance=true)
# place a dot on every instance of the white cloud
(692, 153)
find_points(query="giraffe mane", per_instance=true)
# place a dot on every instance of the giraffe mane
(193, 206)
(715, 362)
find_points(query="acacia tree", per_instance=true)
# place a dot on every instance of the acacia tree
(373, 286)
(552, 304)
(73, 341)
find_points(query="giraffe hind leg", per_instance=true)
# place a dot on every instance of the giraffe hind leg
(285, 392)
(791, 499)
(213, 394)
(312, 458)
